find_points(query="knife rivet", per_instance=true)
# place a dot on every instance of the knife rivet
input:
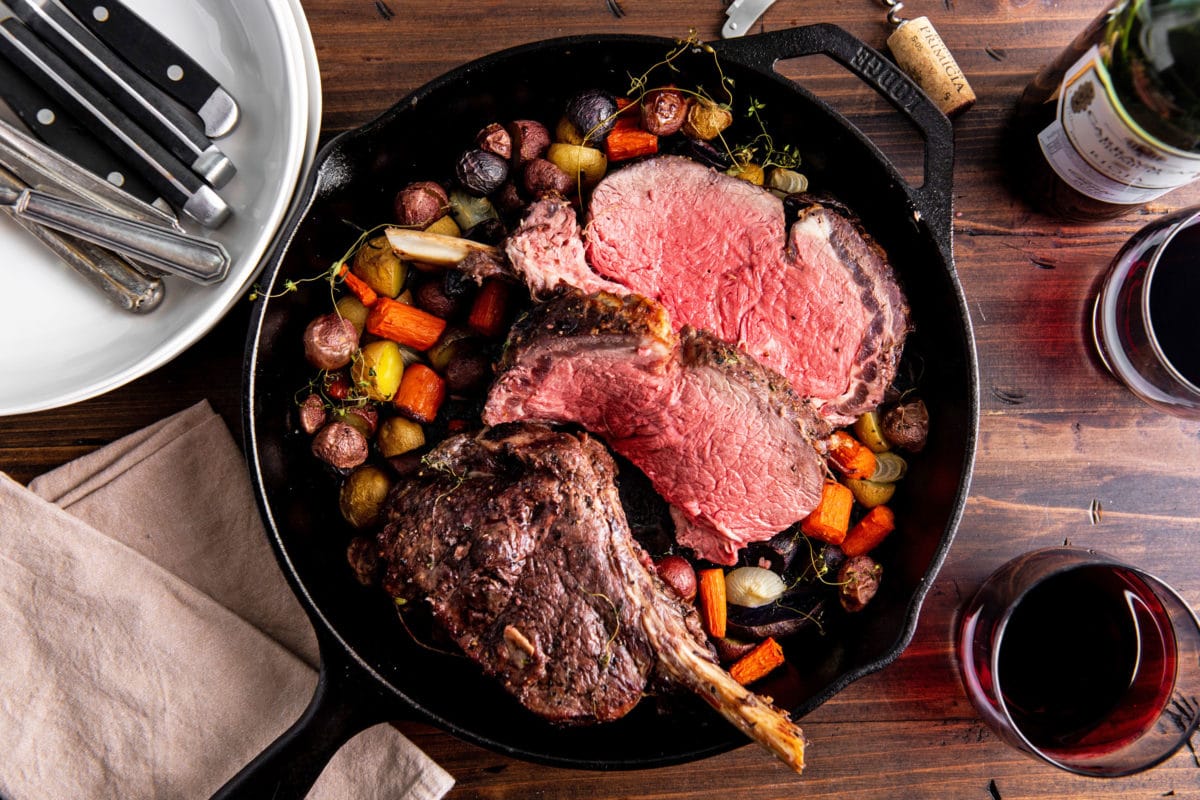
(175, 72)
(115, 178)
(100, 13)
(45, 116)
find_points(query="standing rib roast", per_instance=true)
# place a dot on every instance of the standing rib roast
(516, 538)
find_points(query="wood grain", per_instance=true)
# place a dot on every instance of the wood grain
(1057, 434)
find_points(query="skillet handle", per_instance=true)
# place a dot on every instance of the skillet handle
(934, 197)
(339, 709)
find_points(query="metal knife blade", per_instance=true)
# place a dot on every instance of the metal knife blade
(45, 119)
(181, 187)
(116, 279)
(145, 103)
(160, 60)
(741, 15)
(42, 168)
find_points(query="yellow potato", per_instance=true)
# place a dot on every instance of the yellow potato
(351, 308)
(566, 132)
(377, 264)
(869, 493)
(398, 435)
(362, 495)
(585, 165)
(446, 226)
(377, 369)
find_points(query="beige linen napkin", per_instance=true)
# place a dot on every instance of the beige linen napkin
(149, 645)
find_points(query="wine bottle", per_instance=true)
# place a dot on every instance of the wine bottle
(1114, 121)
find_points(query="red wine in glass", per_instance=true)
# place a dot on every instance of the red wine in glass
(1083, 661)
(1144, 320)
(1087, 662)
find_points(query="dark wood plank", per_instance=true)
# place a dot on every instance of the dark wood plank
(1056, 432)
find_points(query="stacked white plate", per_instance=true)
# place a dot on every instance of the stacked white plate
(61, 341)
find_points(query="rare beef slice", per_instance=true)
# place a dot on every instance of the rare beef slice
(724, 441)
(819, 304)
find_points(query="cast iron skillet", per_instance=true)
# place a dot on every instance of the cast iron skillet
(371, 670)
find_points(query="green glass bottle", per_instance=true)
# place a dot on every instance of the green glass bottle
(1114, 121)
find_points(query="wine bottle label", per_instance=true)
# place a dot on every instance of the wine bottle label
(1095, 147)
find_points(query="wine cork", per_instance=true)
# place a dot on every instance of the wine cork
(921, 53)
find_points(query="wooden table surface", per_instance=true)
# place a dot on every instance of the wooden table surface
(1056, 432)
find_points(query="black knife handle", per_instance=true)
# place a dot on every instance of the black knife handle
(177, 184)
(133, 94)
(160, 60)
(49, 123)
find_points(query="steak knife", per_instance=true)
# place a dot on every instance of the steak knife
(45, 119)
(133, 94)
(177, 184)
(41, 167)
(741, 15)
(160, 60)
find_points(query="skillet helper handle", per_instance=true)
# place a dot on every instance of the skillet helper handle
(291, 764)
(934, 198)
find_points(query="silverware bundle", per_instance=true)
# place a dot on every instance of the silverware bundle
(141, 121)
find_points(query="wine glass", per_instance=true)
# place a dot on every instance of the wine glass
(1083, 661)
(1144, 322)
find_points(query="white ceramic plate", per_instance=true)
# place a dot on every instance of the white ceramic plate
(60, 340)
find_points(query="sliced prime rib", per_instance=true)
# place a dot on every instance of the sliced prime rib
(819, 305)
(546, 252)
(517, 539)
(724, 441)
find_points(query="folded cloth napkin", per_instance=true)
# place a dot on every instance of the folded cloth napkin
(149, 645)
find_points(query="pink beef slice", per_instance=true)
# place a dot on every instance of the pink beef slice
(724, 441)
(820, 305)
(546, 252)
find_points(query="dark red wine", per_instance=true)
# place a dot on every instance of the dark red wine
(1087, 661)
(1174, 290)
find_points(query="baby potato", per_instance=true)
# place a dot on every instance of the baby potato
(330, 341)
(868, 429)
(446, 226)
(377, 264)
(586, 165)
(398, 435)
(362, 495)
(377, 369)
(870, 493)
(351, 308)
(565, 131)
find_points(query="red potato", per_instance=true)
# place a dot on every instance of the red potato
(312, 414)
(330, 341)
(529, 140)
(341, 445)
(677, 572)
(421, 204)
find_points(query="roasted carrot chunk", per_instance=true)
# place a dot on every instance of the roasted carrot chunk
(420, 394)
(489, 312)
(711, 593)
(404, 324)
(627, 117)
(872, 529)
(623, 144)
(850, 457)
(359, 288)
(758, 663)
(830, 520)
